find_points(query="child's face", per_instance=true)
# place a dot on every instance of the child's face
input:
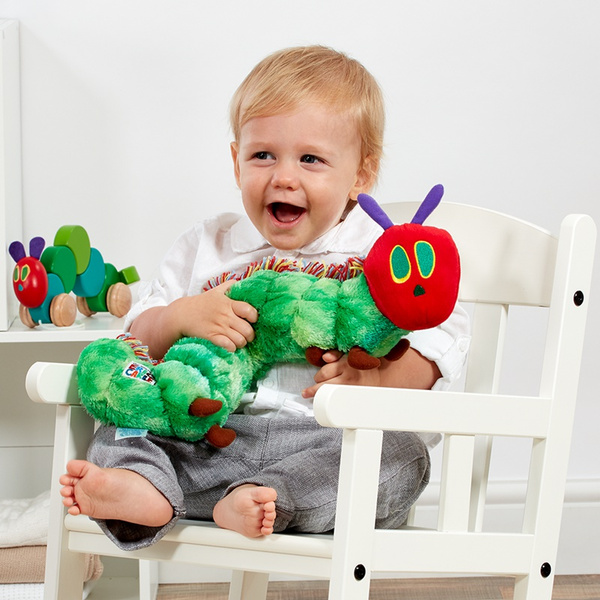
(297, 172)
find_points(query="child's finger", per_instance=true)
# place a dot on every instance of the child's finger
(332, 356)
(309, 392)
(225, 342)
(328, 372)
(241, 327)
(245, 311)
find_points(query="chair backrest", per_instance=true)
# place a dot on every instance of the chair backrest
(505, 262)
(500, 255)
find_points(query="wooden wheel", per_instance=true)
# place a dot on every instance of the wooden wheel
(26, 317)
(83, 307)
(63, 310)
(118, 299)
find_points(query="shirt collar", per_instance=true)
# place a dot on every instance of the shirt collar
(356, 231)
(245, 237)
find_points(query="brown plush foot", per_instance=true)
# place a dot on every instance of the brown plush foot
(314, 356)
(399, 350)
(358, 358)
(203, 407)
(219, 437)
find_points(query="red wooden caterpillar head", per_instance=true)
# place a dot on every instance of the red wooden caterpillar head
(30, 280)
(413, 270)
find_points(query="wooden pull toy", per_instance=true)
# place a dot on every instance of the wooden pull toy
(43, 280)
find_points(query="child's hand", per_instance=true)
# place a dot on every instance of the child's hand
(337, 370)
(214, 316)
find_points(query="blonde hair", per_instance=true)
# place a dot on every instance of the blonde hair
(286, 79)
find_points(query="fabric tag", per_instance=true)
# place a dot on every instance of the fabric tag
(129, 432)
(137, 371)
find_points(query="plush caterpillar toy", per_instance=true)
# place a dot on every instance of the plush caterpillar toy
(408, 281)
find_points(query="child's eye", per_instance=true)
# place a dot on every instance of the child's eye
(263, 155)
(311, 159)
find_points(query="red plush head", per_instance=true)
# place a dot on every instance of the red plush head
(413, 271)
(30, 280)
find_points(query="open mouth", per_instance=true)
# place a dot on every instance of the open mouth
(286, 213)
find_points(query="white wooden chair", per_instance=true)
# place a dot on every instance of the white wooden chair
(505, 262)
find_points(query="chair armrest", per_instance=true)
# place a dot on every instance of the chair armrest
(52, 383)
(399, 409)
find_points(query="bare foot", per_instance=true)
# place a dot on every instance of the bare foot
(113, 494)
(248, 509)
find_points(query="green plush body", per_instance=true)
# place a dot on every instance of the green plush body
(410, 281)
(296, 311)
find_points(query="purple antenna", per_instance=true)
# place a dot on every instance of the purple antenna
(370, 206)
(17, 251)
(429, 204)
(36, 246)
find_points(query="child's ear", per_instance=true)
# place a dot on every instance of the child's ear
(365, 176)
(236, 163)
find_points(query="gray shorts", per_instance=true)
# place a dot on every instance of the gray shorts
(294, 455)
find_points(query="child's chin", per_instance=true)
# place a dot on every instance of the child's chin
(287, 241)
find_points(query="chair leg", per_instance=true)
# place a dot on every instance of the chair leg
(148, 578)
(248, 585)
(64, 577)
(65, 570)
(533, 587)
(355, 518)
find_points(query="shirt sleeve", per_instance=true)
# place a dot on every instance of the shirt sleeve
(446, 345)
(173, 279)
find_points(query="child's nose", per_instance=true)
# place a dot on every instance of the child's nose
(285, 177)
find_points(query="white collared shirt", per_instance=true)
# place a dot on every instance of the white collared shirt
(228, 243)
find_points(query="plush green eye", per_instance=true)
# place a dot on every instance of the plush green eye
(16, 274)
(399, 264)
(425, 258)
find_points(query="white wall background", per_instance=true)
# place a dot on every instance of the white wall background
(125, 131)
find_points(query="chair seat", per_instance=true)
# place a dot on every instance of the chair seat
(205, 542)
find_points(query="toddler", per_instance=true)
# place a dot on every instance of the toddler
(308, 126)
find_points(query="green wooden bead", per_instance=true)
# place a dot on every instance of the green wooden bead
(90, 282)
(41, 314)
(129, 275)
(98, 303)
(76, 238)
(60, 261)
